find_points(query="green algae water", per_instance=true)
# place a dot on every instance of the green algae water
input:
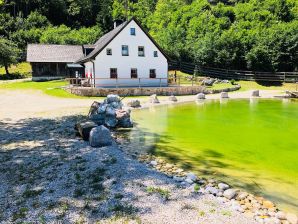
(251, 144)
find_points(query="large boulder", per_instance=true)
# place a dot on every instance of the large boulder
(200, 96)
(100, 136)
(124, 120)
(255, 93)
(224, 95)
(173, 98)
(134, 103)
(112, 98)
(84, 128)
(97, 118)
(208, 82)
(153, 99)
(111, 121)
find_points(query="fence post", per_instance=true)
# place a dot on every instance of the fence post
(159, 82)
(284, 77)
(117, 83)
(139, 82)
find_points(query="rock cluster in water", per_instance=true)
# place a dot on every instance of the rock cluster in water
(102, 116)
(110, 113)
(264, 211)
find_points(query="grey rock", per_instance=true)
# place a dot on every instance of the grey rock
(191, 176)
(125, 123)
(242, 195)
(112, 98)
(153, 163)
(110, 111)
(100, 136)
(211, 190)
(255, 93)
(208, 82)
(134, 103)
(200, 96)
(111, 121)
(179, 179)
(230, 193)
(97, 118)
(153, 99)
(281, 215)
(224, 95)
(189, 181)
(102, 108)
(116, 105)
(84, 128)
(223, 186)
(173, 98)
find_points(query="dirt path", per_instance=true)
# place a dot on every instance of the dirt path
(22, 104)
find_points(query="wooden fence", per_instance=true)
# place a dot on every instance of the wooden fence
(189, 68)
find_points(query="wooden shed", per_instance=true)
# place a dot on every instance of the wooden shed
(50, 61)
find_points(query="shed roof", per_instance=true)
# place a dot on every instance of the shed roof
(54, 53)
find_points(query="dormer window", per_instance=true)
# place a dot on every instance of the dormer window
(125, 50)
(132, 31)
(155, 54)
(109, 51)
(141, 51)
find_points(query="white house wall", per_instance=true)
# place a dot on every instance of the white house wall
(124, 64)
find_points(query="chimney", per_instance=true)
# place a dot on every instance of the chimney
(117, 22)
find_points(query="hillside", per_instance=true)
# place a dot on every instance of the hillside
(233, 34)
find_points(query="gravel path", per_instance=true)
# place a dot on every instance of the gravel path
(48, 175)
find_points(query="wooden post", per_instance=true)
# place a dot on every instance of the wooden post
(159, 82)
(139, 82)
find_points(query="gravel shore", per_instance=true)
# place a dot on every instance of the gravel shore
(49, 176)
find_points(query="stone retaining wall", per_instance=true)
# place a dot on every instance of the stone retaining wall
(146, 91)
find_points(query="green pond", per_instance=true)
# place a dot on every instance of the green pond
(250, 144)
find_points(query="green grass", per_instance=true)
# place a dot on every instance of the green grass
(249, 85)
(21, 70)
(52, 88)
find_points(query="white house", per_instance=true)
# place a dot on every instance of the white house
(126, 56)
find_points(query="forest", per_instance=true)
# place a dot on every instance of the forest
(260, 35)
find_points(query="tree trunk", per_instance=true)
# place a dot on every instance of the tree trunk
(6, 69)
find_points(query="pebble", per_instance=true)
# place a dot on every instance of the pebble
(268, 204)
(191, 176)
(242, 195)
(280, 215)
(188, 180)
(223, 186)
(211, 190)
(153, 163)
(179, 179)
(230, 193)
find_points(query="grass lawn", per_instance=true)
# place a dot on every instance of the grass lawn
(52, 88)
(23, 69)
(249, 85)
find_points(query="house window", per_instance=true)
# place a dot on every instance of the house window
(152, 74)
(134, 73)
(141, 51)
(132, 31)
(125, 50)
(155, 54)
(109, 51)
(113, 73)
